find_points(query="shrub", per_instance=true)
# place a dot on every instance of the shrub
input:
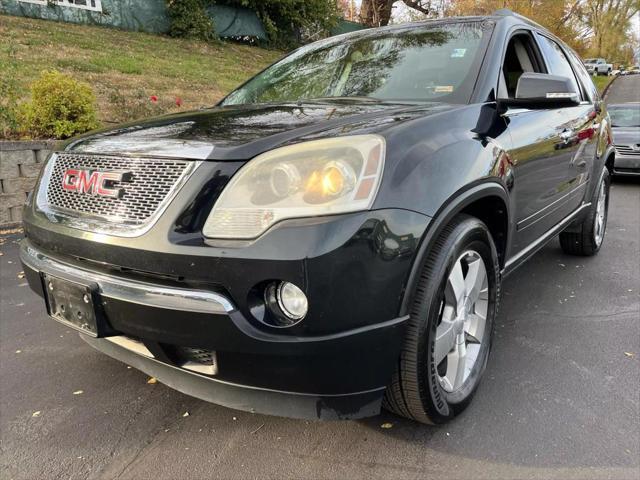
(189, 19)
(59, 107)
(287, 20)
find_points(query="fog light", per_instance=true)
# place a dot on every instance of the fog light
(292, 301)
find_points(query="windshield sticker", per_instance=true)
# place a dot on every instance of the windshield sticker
(444, 89)
(458, 52)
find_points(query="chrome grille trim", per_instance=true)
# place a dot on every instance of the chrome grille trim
(154, 184)
(626, 150)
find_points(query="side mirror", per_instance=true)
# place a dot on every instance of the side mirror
(542, 90)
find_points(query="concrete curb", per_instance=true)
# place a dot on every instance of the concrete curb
(606, 89)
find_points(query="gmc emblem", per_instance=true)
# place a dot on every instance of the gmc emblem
(94, 182)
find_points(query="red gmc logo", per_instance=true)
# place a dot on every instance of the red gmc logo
(94, 182)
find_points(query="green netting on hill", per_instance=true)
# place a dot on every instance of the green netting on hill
(151, 16)
(236, 22)
(345, 26)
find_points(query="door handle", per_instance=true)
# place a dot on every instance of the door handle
(566, 135)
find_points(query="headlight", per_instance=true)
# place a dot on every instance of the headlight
(320, 177)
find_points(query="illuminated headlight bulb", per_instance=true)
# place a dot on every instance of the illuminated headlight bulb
(292, 300)
(337, 179)
(285, 180)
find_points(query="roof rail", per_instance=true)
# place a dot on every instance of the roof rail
(504, 12)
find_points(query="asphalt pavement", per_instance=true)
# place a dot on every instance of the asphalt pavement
(560, 398)
(624, 89)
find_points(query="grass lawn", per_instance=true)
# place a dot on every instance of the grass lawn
(125, 68)
(601, 81)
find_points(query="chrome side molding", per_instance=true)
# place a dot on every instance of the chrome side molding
(172, 298)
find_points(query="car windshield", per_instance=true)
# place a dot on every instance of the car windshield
(625, 116)
(437, 62)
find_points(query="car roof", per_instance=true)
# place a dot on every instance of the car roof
(503, 16)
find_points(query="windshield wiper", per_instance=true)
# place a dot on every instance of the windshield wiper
(345, 99)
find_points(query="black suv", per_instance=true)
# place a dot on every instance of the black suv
(331, 237)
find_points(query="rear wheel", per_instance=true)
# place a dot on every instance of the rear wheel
(588, 238)
(450, 327)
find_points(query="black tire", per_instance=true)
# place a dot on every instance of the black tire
(583, 240)
(415, 391)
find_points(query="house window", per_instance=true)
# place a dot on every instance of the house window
(95, 5)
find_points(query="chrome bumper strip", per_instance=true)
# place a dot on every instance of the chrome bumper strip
(199, 301)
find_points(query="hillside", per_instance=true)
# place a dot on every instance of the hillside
(125, 68)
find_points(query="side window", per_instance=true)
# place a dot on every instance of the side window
(518, 59)
(591, 92)
(557, 61)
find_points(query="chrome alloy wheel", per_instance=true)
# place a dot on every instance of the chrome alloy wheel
(463, 315)
(600, 221)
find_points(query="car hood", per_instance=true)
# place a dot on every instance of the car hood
(626, 135)
(244, 131)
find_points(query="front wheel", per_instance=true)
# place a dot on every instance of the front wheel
(454, 304)
(587, 239)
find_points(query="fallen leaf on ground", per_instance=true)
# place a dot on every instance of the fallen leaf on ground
(152, 380)
(9, 231)
(185, 414)
(78, 392)
(18, 351)
(629, 354)
(258, 428)
(36, 414)
(386, 425)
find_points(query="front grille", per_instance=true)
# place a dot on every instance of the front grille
(195, 359)
(148, 185)
(626, 150)
(197, 355)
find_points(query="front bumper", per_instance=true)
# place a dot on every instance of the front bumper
(626, 164)
(243, 397)
(337, 365)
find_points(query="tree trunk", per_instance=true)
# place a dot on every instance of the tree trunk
(376, 13)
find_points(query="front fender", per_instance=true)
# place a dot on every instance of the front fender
(430, 160)
(447, 212)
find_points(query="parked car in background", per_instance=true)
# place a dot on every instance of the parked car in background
(333, 235)
(598, 66)
(625, 127)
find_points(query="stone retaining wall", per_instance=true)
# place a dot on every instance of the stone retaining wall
(20, 164)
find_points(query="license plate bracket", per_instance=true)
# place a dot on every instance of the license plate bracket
(74, 304)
